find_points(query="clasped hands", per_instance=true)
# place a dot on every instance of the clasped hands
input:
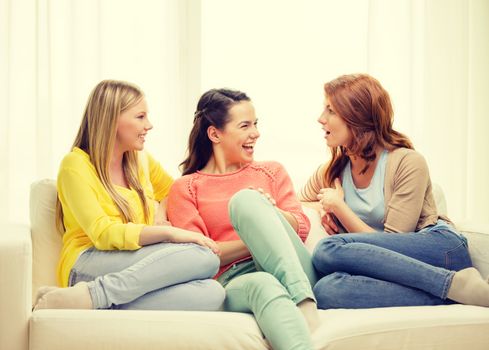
(331, 200)
(181, 235)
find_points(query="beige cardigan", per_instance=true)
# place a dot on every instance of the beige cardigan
(409, 202)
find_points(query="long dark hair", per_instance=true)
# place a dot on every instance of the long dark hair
(366, 108)
(212, 110)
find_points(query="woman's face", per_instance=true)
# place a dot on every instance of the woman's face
(132, 126)
(237, 140)
(336, 130)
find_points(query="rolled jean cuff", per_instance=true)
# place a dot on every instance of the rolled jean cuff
(447, 284)
(93, 294)
(301, 291)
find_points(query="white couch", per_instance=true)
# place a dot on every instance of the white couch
(28, 257)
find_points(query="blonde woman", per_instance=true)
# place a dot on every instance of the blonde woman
(113, 256)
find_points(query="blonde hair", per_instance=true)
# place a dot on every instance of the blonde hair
(96, 136)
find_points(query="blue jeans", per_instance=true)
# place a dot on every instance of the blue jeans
(365, 270)
(163, 276)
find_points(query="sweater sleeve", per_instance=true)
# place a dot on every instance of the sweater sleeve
(411, 180)
(160, 179)
(105, 230)
(287, 200)
(182, 208)
(315, 183)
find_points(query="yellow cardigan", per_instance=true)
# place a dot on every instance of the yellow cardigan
(90, 217)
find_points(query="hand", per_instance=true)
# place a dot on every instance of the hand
(266, 194)
(291, 219)
(161, 222)
(328, 223)
(185, 236)
(160, 218)
(331, 198)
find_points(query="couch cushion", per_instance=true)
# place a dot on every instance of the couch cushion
(317, 232)
(440, 201)
(422, 327)
(444, 327)
(46, 240)
(134, 329)
(478, 238)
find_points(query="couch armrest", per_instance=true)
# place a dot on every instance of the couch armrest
(15, 286)
(478, 236)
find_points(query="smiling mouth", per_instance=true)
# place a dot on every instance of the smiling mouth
(249, 148)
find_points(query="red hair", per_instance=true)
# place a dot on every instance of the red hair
(366, 108)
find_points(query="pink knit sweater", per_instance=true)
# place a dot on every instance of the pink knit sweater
(199, 201)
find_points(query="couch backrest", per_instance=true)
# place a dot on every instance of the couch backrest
(47, 241)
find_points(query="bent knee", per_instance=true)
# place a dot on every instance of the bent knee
(205, 261)
(324, 257)
(328, 290)
(210, 295)
(244, 202)
(243, 197)
(263, 285)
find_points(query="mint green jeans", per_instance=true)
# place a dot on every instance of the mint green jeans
(280, 276)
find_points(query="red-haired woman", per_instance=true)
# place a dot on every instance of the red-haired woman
(397, 249)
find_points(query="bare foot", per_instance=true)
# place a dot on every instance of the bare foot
(309, 310)
(317, 337)
(76, 297)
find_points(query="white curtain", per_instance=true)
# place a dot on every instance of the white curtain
(53, 52)
(431, 55)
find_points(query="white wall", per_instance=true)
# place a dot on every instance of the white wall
(432, 56)
(55, 51)
(281, 53)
